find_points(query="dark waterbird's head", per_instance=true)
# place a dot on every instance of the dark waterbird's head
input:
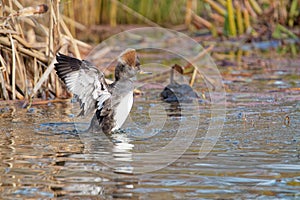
(128, 65)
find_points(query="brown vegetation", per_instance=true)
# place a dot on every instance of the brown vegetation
(30, 34)
(29, 38)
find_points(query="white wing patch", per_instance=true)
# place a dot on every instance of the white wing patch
(89, 88)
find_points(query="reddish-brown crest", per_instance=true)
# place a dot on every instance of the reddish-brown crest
(129, 57)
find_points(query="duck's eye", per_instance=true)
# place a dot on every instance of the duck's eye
(137, 65)
(137, 62)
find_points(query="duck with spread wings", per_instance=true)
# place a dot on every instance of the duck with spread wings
(111, 103)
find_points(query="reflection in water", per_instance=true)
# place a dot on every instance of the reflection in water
(115, 151)
(174, 110)
(122, 147)
(89, 171)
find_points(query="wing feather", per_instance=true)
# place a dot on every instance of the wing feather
(84, 80)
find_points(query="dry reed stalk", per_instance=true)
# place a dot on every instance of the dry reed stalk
(35, 71)
(217, 7)
(188, 13)
(197, 20)
(54, 36)
(200, 55)
(13, 67)
(31, 53)
(22, 41)
(50, 35)
(195, 71)
(20, 72)
(113, 14)
(222, 2)
(239, 18)
(3, 88)
(256, 7)
(202, 21)
(192, 81)
(18, 95)
(43, 78)
(25, 79)
(246, 19)
(217, 18)
(56, 28)
(6, 72)
(58, 90)
(8, 32)
(74, 44)
(250, 9)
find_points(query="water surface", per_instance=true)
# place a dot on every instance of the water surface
(257, 155)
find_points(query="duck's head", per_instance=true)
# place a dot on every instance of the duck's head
(128, 65)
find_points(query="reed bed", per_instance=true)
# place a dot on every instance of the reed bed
(31, 34)
(29, 39)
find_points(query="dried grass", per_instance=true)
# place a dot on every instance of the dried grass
(29, 39)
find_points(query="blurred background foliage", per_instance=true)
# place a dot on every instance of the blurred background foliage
(220, 17)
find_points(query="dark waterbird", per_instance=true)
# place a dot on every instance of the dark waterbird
(176, 92)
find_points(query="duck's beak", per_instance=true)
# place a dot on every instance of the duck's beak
(144, 73)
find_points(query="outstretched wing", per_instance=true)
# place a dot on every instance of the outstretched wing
(84, 80)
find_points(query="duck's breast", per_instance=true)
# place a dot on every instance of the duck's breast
(122, 110)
